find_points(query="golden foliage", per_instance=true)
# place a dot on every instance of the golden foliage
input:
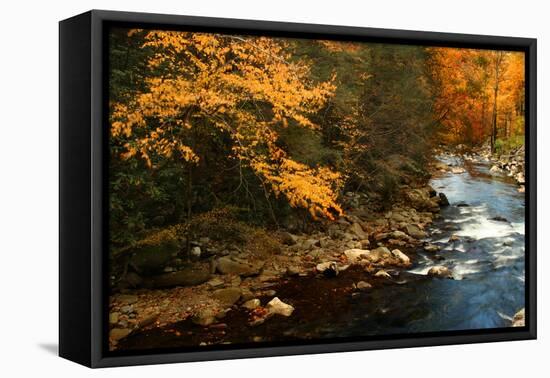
(245, 87)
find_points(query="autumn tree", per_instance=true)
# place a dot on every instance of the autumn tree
(243, 90)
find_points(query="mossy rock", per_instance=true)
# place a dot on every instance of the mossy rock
(148, 259)
(189, 276)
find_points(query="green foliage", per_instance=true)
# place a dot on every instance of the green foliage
(506, 146)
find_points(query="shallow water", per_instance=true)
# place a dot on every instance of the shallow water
(488, 265)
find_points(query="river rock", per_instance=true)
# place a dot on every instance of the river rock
(329, 268)
(519, 319)
(293, 271)
(113, 318)
(190, 276)
(498, 218)
(310, 244)
(228, 296)
(252, 304)
(454, 238)
(127, 298)
(362, 285)
(443, 200)
(278, 307)
(226, 265)
(420, 199)
(117, 334)
(457, 170)
(355, 255)
(356, 229)
(288, 238)
(415, 231)
(205, 317)
(401, 256)
(380, 255)
(382, 273)
(399, 235)
(440, 271)
(431, 248)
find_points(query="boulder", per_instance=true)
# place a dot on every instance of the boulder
(278, 307)
(228, 296)
(205, 317)
(383, 274)
(380, 255)
(288, 238)
(443, 200)
(186, 277)
(415, 231)
(401, 256)
(420, 199)
(151, 259)
(440, 271)
(519, 319)
(126, 298)
(355, 255)
(399, 235)
(226, 265)
(117, 334)
(329, 269)
(356, 229)
(310, 244)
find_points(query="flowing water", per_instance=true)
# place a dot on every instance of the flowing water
(487, 262)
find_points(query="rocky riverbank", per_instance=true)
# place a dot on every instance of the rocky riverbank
(378, 244)
(354, 254)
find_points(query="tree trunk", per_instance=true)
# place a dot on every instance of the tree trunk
(498, 61)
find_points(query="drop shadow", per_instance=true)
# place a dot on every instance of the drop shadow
(51, 348)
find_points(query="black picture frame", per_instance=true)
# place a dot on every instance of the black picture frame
(83, 165)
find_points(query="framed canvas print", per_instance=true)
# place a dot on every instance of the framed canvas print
(234, 188)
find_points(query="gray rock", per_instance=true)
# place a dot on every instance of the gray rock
(382, 273)
(293, 271)
(226, 265)
(117, 334)
(415, 231)
(356, 229)
(362, 285)
(204, 317)
(288, 238)
(329, 269)
(401, 256)
(440, 272)
(228, 296)
(186, 277)
(278, 307)
(355, 255)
